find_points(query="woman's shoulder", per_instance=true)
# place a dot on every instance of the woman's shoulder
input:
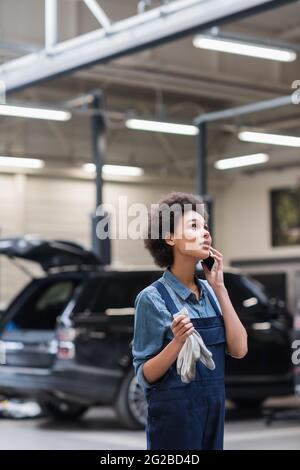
(150, 296)
(149, 306)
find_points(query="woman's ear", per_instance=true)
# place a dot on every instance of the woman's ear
(169, 239)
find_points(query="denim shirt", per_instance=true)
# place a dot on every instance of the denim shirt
(152, 318)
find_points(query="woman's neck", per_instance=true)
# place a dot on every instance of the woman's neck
(184, 270)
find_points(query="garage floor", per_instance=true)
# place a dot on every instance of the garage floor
(99, 429)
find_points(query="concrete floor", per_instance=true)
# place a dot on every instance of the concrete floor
(99, 429)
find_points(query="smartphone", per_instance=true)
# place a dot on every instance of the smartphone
(209, 262)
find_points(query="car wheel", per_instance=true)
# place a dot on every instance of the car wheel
(131, 405)
(248, 403)
(62, 410)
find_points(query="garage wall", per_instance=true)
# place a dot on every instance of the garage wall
(243, 227)
(11, 223)
(60, 208)
(243, 216)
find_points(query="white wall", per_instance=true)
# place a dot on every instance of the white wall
(243, 216)
(60, 208)
(11, 224)
(243, 227)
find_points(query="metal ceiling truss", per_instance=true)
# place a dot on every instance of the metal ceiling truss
(169, 21)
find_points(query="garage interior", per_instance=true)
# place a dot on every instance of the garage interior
(163, 78)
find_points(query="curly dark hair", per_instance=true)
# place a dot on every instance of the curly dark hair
(173, 205)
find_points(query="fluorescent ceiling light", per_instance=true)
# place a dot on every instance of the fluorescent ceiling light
(249, 49)
(34, 113)
(245, 160)
(89, 167)
(21, 162)
(122, 170)
(273, 139)
(116, 170)
(157, 126)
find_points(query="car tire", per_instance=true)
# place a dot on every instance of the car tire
(248, 403)
(131, 405)
(62, 410)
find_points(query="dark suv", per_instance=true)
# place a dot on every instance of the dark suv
(67, 336)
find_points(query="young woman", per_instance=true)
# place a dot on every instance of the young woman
(184, 416)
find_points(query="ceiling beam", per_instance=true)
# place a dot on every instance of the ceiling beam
(165, 23)
(245, 109)
(209, 85)
(50, 24)
(98, 13)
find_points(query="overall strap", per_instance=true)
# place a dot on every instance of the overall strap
(211, 299)
(170, 304)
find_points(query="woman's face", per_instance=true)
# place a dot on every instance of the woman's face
(191, 236)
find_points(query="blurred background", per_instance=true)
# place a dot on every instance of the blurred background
(106, 99)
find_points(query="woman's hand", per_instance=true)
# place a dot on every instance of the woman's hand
(215, 277)
(181, 327)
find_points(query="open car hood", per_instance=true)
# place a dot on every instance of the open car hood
(48, 253)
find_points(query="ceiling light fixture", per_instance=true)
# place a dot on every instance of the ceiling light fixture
(115, 170)
(21, 162)
(34, 113)
(241, 47)
(161, 126)
(272, 139)
(245, 160)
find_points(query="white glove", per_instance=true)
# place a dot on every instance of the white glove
(193, 350)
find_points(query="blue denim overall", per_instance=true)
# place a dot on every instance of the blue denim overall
(190, 416)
